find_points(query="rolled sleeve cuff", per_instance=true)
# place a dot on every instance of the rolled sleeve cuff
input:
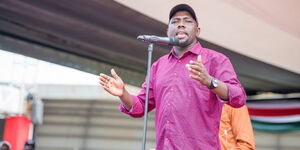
(236, 96)
(136, 108)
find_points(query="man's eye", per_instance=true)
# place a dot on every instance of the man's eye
(189, 21)
(174, 21)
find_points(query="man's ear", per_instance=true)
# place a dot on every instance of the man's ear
(198, 32)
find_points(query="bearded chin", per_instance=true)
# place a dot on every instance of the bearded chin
(184, 43)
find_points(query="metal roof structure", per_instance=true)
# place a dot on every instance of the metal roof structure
(95, 36)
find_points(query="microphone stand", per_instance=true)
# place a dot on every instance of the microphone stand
(150, 50)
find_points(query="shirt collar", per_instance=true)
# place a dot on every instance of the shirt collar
(196, 49)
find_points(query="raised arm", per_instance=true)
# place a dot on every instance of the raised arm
(115, 86)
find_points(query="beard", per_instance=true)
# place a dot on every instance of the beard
(183, 43)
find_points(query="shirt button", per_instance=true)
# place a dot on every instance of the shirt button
(179, 61)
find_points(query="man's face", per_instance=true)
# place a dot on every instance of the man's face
(183, 27)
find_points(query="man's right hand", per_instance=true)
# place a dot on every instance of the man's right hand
(114, 85)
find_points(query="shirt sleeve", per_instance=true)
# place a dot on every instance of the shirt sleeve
(138, 107)
(242, 128)
(224, 72)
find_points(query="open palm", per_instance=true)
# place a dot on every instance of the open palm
(114, 85)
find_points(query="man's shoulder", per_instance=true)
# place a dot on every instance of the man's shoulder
(213, 53)
(162, 59)
(159, 61)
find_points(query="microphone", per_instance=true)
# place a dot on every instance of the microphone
(160, 40)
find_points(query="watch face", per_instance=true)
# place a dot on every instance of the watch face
(214, 83)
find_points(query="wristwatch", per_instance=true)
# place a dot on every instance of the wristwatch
(213, 83)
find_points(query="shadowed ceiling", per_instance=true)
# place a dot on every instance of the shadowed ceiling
(94, 36)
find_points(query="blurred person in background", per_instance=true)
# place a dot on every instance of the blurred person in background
(5, 145)
(236, 132)
(29, 145)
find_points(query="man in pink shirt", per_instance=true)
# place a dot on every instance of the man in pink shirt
(188, 87)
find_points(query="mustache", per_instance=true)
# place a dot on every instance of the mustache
(181, 31)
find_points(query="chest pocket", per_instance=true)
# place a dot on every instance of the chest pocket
(197, 90)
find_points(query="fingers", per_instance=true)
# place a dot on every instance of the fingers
(195, 67)
(199, 59)
(196, 71)
(105, 86)
(104, 79)
(114, 74)
(199, 78)
(103, 83)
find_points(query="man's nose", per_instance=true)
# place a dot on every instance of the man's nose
(181, 24)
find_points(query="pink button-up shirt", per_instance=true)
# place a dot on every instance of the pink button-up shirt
(187, 113)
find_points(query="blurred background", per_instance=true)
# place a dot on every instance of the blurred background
(53, 50)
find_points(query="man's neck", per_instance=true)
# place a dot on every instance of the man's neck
(179, 51)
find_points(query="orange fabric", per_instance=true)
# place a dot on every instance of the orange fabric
(236, 131)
